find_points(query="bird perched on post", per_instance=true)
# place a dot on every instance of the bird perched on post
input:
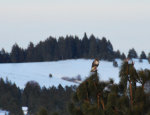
(95, 65)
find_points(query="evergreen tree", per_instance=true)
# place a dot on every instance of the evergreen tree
(143, 55)
(89, 97)
(31, 96)
(128, 74)
(93, 47)
(85, 46)
(117, 55)
(143, 77)
(149, 57)
(17, 54)
(4, 57)
(132, 53)
(77, 47)
(10, 97)
(123, 56)
(62, 48)
(30, 53)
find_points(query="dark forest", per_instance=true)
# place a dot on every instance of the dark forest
(69, 47)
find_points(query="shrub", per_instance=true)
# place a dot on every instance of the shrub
(50, 75)
(115, 64)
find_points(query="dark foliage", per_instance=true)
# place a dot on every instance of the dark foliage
(10, 97)
(40, 101)
(132, 53)
(69, 47)
(52, 99)
(149, 58)
(94, 97)
(4, 57)
(143, 55)
(91, 97)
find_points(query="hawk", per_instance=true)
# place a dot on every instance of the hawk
(95, 65)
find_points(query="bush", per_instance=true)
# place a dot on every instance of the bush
(50, 75)
(115, 64)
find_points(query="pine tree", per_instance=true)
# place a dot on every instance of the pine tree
(89, 97)
(117, 55)
(92, 47)
(85, 46)
(132, 53)
(30, 53)
(62, 48)
(143, 77)
(128, 74)
(149, 58)
(143, 55)
(123, 56)
(17, 54)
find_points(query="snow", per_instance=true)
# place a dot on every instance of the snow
(21, 73)
(25, 110)
(3, 112)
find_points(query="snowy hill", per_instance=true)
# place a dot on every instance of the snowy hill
(21, 73)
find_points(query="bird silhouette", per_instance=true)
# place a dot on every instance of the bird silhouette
(95, 65)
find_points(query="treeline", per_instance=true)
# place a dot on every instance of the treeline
(10, 97)
(53, 100)
(69, 47)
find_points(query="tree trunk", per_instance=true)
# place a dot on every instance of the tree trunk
(102, 102)
(98, 101)
(143, 87)
(131, 98)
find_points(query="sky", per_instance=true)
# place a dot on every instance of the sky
(126, 23)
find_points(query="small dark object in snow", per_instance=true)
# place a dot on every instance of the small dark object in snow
(115, 64)
(50, 75)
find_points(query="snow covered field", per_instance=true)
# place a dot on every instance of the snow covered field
(21, 73)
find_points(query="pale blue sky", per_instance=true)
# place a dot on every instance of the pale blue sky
(126, 23)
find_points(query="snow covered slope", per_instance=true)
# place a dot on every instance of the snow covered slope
(21, 73)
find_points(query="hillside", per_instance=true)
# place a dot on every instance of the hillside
(21, 73)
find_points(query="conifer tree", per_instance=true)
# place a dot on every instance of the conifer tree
(85, 46)
(123, 56)
(143, 55)
(149, 58)
(128, 74)
(89, 97)
(143, 77)
(132, 53)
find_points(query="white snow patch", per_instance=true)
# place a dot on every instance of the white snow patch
(21, 73)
